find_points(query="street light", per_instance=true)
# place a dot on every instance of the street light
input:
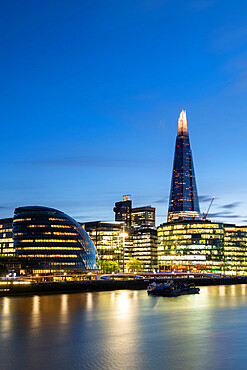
(123, 235)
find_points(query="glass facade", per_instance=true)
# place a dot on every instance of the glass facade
(184, 204)
(235, 249)
(143, 216)
(107, 240)
(123, 211)
(143, 246)
(48, 239)
(7, 248)
(191, 246)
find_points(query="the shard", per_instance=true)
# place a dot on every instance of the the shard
(184, 204)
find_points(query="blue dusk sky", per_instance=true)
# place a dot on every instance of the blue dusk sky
(90, 96)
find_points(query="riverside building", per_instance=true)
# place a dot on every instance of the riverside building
(106, 236)
(139, 223)
(191, 246)
(235, 249)
(7, 248)
(186, 242)
(184, 204)
(48, 241)
(131, 235)
(143, 246)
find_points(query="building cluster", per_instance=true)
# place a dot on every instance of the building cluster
(131, 236)
(40, 240)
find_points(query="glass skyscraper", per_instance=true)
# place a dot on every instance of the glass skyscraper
(184, 204)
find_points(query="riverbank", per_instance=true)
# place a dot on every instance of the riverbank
(11, 288)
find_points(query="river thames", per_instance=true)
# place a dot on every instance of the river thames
(125, 330)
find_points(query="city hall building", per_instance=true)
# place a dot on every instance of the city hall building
(41, 240)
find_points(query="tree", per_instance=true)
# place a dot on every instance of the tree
(108, 267)
(135, 265)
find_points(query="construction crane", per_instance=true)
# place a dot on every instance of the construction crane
(204, 217)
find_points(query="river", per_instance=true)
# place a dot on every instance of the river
(125, 330)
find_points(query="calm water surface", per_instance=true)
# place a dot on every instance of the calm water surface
(125, 330)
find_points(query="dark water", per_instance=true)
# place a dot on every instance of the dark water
(125, 330)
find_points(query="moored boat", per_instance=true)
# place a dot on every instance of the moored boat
(172, 289)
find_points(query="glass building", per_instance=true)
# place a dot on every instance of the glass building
(235, 249)
(191, 246)
(143, 246)
(46, 239)
(7, 248)
(123, 211)
(107, 239)
(184, 204)
(143, 216)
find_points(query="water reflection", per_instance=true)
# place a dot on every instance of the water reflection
(36, 311)
(5, 321)
(125, 330)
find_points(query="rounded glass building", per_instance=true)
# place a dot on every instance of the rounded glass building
(48, 239)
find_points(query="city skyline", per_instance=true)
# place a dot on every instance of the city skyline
(90, 98)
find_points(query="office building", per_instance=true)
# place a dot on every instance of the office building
(139, 223)
(184, 204)
(191, 246)
(106, 236)
(123, 211)
(7, 248)
(186, 242)
(143, 216)
(143, 246)
(235, 249)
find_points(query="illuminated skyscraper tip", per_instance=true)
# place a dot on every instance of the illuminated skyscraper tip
(182, 124)
(184, 204)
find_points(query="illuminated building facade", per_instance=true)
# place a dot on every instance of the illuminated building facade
(191, 246)
(235, 249)
(143, 216)
(7, 248)
(139, 223)
(184, 204)
(143, 246)
(48, 239)
(123, 211)
(106, 236)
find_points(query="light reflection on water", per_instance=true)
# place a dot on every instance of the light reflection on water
(125, 330)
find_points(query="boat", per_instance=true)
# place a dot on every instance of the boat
(172, 289)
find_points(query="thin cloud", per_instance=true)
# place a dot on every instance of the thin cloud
(204, 198)
(161, 201)
(231, 205)
(223, 215)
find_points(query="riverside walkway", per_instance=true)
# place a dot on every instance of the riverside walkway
(15, 288)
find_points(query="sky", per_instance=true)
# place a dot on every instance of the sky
(90, 96)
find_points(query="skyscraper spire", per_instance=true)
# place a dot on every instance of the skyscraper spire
(182, 124)
(184, 204)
